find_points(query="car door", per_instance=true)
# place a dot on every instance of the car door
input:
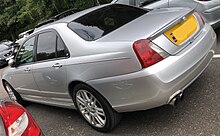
(152, 4)
(49, 69)
(22, 77)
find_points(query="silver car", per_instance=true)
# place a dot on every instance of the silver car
(210, 9)
(112, 59)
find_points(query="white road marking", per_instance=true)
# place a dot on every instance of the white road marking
(216, 56)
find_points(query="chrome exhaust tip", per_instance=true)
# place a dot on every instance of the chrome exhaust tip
(175, 98)
(173, 102)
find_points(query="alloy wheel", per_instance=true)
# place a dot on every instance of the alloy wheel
(90, 108)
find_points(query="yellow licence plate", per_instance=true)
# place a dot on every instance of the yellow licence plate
(180, 32)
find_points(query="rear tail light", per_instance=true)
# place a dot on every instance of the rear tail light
(148, 53)
(200, 17)
(17, 121)
(18, 127)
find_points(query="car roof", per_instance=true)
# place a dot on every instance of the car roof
(72, 17)
(26, 31)
(81, 13)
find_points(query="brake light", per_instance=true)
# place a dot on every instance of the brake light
(18, 127)
(17, 121)
(148, 53)
(200, 16)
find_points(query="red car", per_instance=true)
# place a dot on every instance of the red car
(17, 121)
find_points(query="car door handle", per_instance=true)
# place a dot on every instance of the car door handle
(57, 65)
(27, 69)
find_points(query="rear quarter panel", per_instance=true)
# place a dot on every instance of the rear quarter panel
(97, 59)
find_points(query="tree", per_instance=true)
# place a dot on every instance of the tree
(19, 15)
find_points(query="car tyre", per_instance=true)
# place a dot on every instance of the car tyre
(95, 109)
(13, 95)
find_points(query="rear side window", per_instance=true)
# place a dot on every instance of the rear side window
(61, 49)
(102, 21)
(46, 46)
(50, 46)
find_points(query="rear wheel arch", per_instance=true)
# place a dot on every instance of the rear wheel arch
(3, 82)
(73, 84)
(112, 117)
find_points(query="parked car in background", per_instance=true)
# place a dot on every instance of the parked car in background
(7, 42)
(209, 9)
(7, 49)
(17, 121)
(22, 36)
(25, 34)
(111, 59)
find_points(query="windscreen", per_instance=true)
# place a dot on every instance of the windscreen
(103, 21)
(3, 47)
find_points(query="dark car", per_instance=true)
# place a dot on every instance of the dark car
(15, 120)
(7, 49)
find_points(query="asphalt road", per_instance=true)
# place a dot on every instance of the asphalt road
(197, 115)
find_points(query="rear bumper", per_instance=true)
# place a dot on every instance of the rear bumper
(153, 86)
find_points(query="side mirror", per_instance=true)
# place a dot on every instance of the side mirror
(11, 62)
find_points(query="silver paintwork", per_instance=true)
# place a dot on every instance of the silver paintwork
(110, 66)
(210, 10)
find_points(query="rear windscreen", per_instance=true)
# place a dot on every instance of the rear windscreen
(100, 22)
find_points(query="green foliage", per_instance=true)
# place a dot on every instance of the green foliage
(85, 3)
(19, 15)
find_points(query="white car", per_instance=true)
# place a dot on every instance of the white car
(210, 9)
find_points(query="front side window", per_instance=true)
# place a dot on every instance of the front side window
(25, 54)
(46, 46)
